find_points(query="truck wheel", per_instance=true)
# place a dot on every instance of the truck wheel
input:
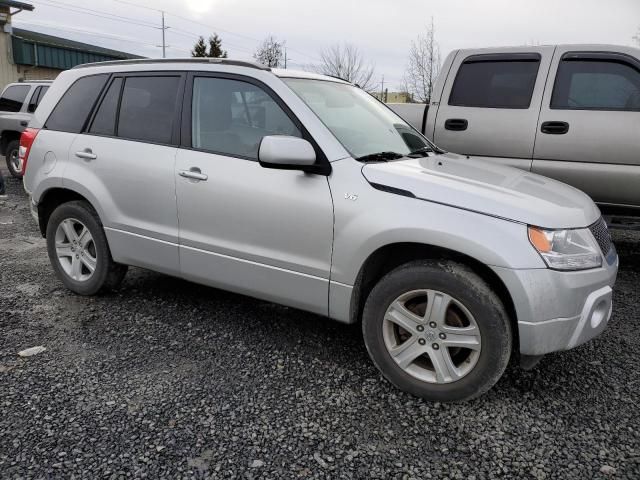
(435, 329)
(79, 252)
(13, 162)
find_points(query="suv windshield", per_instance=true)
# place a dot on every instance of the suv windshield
(362, 124)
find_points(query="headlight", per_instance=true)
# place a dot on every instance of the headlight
(566, 249)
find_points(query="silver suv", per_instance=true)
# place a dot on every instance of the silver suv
(304, 190)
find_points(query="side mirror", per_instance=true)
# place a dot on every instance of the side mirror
(285, 152)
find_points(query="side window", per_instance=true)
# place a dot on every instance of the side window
(596, 85)
(495, 84)
(148, 108)
(70, 114)
(33, 101)
(231, 117)
(104, 123)
(13, 98)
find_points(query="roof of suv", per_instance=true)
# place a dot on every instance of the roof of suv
(219, 61)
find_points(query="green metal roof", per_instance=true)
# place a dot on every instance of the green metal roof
(38, 49)
(13, 4)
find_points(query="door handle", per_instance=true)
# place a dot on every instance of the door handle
(87, 154)
(554, 128)
(193, 173)
(456, 124)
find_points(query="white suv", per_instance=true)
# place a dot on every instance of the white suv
(305, 190)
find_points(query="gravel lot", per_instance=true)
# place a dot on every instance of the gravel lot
(166, 378)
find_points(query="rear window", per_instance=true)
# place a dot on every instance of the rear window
(495, 83)
(148, 108)
(104, 123)
(13, 98)
(70, 114)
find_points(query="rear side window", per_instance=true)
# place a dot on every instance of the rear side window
(13, 98)
(36, 98)
(596, 85)
(104, 123)
(495, 83)
(148, 108)
(231, 117)
(70, 114)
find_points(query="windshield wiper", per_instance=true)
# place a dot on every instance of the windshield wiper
(380, 157)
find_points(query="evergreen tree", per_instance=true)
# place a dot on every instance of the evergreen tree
(200, 48)
(215, 47)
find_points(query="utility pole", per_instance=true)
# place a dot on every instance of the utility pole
(164, 45)
(382, 89)
(285, 57)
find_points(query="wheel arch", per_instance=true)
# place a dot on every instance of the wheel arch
(53, 198)
(8, 136)
(388, 257)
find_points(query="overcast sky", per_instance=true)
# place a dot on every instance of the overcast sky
(381, 29)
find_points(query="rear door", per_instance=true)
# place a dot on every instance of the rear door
(490, 107)
(125, 158)
(589, 124)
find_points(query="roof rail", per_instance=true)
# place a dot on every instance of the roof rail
(144, 61)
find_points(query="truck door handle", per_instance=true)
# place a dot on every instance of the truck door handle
(554, 128)
(193, 173)
(87, 154)
(456, 124)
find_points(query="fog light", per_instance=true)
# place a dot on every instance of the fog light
(599, 313)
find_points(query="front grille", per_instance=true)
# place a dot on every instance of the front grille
(602, 236)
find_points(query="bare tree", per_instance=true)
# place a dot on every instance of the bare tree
(270, 53)
(423, 65)
(347, 62)
(636, 37)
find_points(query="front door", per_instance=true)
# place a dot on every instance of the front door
(261, 232)
(589, 124)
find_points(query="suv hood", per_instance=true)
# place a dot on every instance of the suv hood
(487, 188)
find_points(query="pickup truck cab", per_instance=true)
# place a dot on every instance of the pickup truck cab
(304, 190)
(569, 112)
(18, 101)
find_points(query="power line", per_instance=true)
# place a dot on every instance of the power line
(94, 13)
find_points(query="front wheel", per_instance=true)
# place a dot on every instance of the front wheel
(79, 252)
(435, 329)
(13, 160)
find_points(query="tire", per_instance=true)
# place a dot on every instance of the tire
(72, 261)
(414, 295)
(12, 158)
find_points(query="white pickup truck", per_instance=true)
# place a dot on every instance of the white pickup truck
(570, 112)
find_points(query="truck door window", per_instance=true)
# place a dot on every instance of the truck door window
(495, 83)
(13, 98)
(589, 84)
(33, 101)
(230, 117)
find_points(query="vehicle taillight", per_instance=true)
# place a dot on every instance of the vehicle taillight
(26, 140)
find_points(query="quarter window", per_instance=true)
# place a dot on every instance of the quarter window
(104, 123)
(596, 85)
(495, 84)
(71, 112)
(231, 117)
(13, 98)
(148, 108)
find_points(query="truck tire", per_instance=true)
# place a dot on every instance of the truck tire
(435, 329)
(79, 252)
(13, 163)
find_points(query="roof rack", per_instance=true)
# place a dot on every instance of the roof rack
(143, 61)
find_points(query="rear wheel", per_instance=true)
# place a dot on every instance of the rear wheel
(13, 161)
(79, 252)
(437, 330)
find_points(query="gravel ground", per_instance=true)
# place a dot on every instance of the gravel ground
(166, 378)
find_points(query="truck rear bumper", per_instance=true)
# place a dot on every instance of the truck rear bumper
(560, 310)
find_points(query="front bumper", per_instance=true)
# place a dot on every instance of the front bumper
(560, 310)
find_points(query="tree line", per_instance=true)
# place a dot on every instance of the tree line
(346, 61)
